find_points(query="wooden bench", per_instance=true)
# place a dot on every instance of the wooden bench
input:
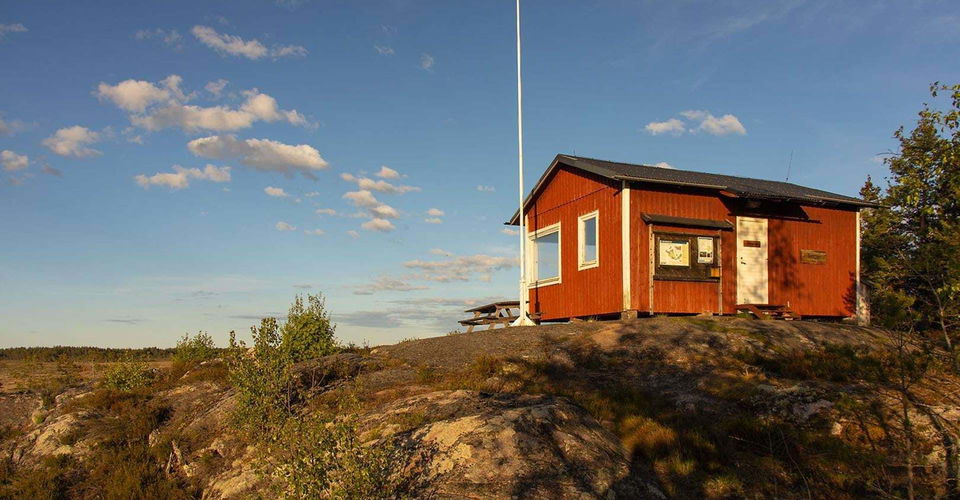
(768, 311)
(493, 314)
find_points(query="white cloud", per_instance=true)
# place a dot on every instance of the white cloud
(724, 125)
(236, 46)
(72, 141)
(511, 232)
(433, 220)
(384, 186)
(311, 194)
(384, 50)
(11, 126)
(486, 189)
(170, 38)
(325, 211)
(216, 87)
(440, 251)
(386, 172)
(180, 177)
(703, 121)
(353, 234)
(663, 164)
(12, 161)
(435, 212)
(132, 137)
(275, 192)
(426, 62)
(314, 232)
(387, 284)
(163, 105)
(671, 126)
(191, 118)
(381, 186)
(283, 226)
(377, 224)
(362, 198)
(11, 28)
(366, 199)
(261, 154)
(384, 211)
(133, 95)
(289, 51)
(461, 268)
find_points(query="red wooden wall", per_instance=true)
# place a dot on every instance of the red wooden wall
(591, 291)
(814, 289)
(679, 296)
(810, 289)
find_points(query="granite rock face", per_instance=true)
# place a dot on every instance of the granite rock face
(516, 446)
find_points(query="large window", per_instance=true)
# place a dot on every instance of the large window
(686, 257)
(544, 254)
(588, 240)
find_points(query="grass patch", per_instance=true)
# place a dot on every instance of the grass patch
(832, 362)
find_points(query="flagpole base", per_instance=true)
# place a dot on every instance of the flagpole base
(523, 321)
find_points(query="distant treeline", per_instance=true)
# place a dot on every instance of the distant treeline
(85, 353)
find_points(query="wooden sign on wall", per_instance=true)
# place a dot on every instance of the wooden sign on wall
(813, 257)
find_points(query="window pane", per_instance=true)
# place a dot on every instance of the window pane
(548, 256)
(590, 239)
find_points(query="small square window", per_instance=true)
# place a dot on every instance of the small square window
(589, 240)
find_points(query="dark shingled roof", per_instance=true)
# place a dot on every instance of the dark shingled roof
(743, 187)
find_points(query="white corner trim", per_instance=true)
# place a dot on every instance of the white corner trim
(860, 310)
(625, 243)
(582, 241)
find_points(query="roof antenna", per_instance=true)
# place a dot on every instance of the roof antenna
(789, 164)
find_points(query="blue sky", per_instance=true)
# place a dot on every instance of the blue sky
(163, 164)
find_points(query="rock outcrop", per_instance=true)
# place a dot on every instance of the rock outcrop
(515, 446)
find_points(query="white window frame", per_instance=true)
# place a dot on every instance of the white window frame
(582, 241)
(533, 258)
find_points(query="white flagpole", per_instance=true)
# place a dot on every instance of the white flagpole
(524, 319)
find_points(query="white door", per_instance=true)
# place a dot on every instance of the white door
(752, 277)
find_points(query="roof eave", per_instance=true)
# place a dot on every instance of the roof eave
(724, 190)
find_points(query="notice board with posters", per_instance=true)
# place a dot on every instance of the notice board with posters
(685, 257)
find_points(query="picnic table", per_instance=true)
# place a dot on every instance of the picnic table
(493, 314)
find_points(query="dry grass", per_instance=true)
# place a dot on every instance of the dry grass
(21, 375)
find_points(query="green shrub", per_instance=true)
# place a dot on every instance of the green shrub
(317, 458)
(195, 349)
(308, 332)
(127, 375)
(261, 374)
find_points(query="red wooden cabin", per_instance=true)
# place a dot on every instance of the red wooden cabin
(608, 238)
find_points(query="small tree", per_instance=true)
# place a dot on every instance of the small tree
(308, 332)
(912, 250)
(262, 373)
(127, 375)
(195, 349)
